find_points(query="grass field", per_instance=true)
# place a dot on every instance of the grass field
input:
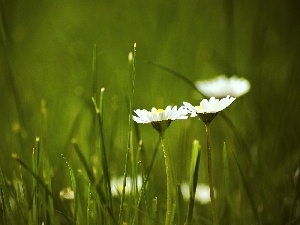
(62, 152)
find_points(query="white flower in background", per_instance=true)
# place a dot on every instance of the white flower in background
(67, 193)
(222, 86)
(156, 115)
(117, 185)
(202, 194)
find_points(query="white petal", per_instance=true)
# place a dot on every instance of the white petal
(189, 107)
(143, 115)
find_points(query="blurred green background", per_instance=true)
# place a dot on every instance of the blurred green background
(46, 81)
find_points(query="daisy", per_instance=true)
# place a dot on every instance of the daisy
(160, 118)
(117, 185)
(208, 109)
(222, 86)
(202, 194)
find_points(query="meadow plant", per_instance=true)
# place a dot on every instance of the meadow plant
(102, 194)
(207, 111)
(160, 120)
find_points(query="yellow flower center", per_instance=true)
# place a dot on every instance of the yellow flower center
(158, 111)
(198, 107)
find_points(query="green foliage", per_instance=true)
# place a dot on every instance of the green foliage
(55, 56)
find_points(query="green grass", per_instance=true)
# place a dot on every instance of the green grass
(56, 57)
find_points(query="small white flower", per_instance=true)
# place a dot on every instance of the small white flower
(67, 193)
(156, 115)
(117, 185)
(222, 86)
(202, 194)
(212, 105)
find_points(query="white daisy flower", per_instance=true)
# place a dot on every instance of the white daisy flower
(117, 185)
(208, 109)
(160, 119)
(202, 194)
(212, 105)
(222, 86)
(156, 115)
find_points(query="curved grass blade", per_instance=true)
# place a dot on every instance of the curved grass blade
(175, 73)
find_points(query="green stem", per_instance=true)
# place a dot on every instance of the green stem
(169, 182)
(210, 175)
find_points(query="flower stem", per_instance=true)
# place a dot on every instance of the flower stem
(169, 182)
(210, 175)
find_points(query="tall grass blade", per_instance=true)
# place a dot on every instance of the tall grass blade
(73, 187)
(35, 188)
(99, 113)
(83, 161)
(194, 169)
(131, 60)
(154, 207)
(180, 205)
(48, 181)
(88, 206)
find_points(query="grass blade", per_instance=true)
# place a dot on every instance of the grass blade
(99, 113)
(175, 73)
(180, 205)
(131, 59)
(194, 169)
(73, 188)
(83, 161)
(35, 188)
